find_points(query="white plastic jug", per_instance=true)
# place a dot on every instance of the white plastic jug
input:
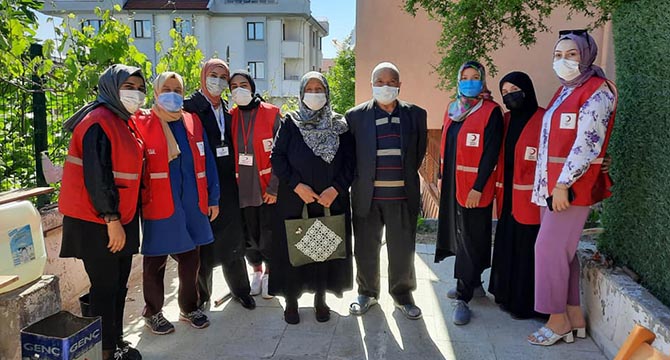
(22, 250)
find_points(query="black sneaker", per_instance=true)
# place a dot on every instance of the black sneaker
(196, 318)
(158, 324)
(126, 351)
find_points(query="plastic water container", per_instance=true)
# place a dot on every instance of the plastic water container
(22, 250)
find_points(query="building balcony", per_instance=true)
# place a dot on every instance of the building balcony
(292, 50)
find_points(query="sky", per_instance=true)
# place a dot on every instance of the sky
(341, 15)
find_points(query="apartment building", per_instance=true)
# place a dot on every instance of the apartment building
(276, 40)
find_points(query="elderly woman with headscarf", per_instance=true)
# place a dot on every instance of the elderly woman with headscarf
(180, 197)
(314, 160)
(228, 247)
(512, 280)
(253, 127)
(568, 179)
(471, 138)
(99, 198)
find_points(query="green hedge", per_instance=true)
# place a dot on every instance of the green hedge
(637, 217)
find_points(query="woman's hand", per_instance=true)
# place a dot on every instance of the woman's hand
(306, 193)
(473, 199)
(328, 196)
(213, 212)
(607, 161)
(560, 200)
(117, 236)
(269, 198)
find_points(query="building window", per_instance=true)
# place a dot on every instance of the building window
(256, 69)
(182, 26)
(255, 31)
(142, 29)
(94, 23)
(320, 43)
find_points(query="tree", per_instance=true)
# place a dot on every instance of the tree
(183, 57)
(468, 22)
(342, 78)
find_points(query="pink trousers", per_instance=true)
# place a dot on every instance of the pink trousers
(556, 266)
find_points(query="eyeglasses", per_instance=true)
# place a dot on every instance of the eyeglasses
(579, 32)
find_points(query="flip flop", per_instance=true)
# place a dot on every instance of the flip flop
(362, 305)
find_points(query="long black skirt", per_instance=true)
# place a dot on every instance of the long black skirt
(513, 270)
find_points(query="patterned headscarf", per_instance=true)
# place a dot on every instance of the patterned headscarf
(320, 129)
(463, 105)
(109, 83)
(210, 65)
(588, 50)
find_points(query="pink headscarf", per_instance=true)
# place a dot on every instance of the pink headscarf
(210, 65)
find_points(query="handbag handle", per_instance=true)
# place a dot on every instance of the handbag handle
(326, 211)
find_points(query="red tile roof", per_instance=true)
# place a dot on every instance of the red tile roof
(166, 5)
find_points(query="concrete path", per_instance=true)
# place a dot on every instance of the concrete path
(382, 333)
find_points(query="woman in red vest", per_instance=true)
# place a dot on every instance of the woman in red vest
(512, 280)
(568, 179)
(99, 198)
(254, 126)
(471, 137)
(180, 196)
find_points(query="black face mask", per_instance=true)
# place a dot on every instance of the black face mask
(514, 100)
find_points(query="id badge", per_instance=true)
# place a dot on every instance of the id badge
(201, 147)
(246, 160)
(222, 151)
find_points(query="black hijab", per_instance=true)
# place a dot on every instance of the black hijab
(256, 100)
(523, 82)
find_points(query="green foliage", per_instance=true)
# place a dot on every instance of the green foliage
(473, 29)
(342, 79)
(184, 58)
(637, 217)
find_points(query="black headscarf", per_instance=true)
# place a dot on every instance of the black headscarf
(109, 84)
(523, 82)
(256, 100)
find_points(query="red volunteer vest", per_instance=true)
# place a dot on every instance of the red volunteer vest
(469, 150)
(74, 200)
(525, 159)
(593, 186)
(157, 201)
(262, 140)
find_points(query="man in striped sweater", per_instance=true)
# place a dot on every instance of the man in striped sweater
(390, 137)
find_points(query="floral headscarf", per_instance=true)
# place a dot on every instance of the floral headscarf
(463, 105)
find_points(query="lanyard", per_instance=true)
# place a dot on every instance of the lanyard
(245, 133)
(220, 121)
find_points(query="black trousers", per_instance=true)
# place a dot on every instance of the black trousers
(400, 243)
(234, 272)
(153, 276)
(107, 295)
(257, 225)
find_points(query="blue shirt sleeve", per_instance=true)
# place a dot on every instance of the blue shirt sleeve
(212, 175)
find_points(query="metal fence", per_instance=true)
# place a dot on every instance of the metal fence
(31, 117)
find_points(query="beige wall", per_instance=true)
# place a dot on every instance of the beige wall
(384, 32)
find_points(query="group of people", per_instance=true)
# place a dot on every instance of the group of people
(544, 168)
(212, 184)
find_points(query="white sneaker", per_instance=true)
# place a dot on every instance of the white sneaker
(256, 283)
(264, 291)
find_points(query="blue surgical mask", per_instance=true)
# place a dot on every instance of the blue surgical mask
(170, 101)
(470, 88)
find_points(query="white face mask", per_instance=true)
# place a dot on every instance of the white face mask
(385, 94)
(314, 101)
(132, 99)
(215, 85)
(566, 69)
(241, 96)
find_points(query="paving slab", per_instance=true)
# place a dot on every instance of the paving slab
(382, 333)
